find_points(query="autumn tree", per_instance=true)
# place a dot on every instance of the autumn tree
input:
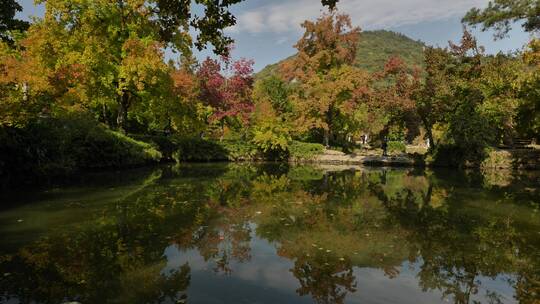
(395, 88)
(271, 122)
(434, 100)
(323, 69)
(26, 94)
(119, 45)
(471, 97)
(528, 119)
(226, 86)
(500, 15)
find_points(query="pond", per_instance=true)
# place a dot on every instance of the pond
(244, 233)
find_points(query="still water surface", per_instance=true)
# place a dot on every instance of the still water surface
(274, 234)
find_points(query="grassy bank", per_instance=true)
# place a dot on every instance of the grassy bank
(50, 148)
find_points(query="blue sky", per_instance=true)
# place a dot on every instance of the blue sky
(267, 29)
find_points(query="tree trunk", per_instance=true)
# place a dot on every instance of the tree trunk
(326, 139)
(431, 145)
(328, 130)
(123, 105)
(429, 134)
(25, 91)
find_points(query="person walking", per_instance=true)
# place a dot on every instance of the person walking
(385, 146)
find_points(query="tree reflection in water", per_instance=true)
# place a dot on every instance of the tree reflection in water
(459, 228)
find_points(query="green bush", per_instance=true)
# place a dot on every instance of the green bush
(197, 149)
(456, 156)
(241, 151)
(304, 151)
(396, 147)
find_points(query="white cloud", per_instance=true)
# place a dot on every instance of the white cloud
(287, 16)
(254, 21)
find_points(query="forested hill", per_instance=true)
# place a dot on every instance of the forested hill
(374, 49)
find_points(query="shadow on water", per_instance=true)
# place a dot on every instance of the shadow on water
(229, 233)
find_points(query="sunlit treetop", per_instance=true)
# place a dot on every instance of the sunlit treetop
(329, 42)
(166, 21)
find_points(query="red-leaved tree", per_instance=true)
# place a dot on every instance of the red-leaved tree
(226, 86)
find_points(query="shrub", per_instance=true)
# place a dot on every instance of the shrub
(240, 150)
(396, 147)
(304, 151)
(497, 159)
(455, 156)
(196, 149)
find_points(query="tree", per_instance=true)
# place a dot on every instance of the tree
(323, 68)
(276, 91)
(120, 44)
(25, 94)
(500, 14)
(330, 103)
(8, 23)
(468, 129)
(394, 90)
(226, 86)
(434, 100)
(327, 43)
(272, 117)
(473, 97)
(529, 92)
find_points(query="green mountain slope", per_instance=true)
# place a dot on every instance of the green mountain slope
(374, 49)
